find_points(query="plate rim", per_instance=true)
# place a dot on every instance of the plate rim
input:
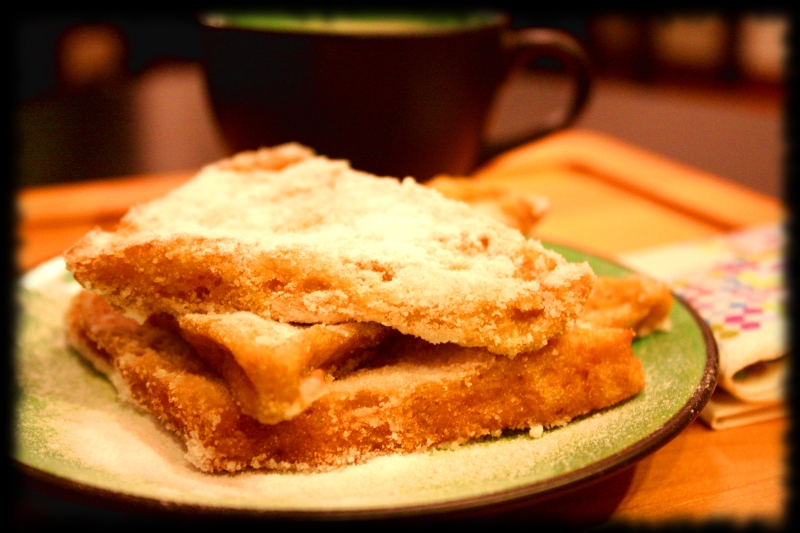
(530, 493)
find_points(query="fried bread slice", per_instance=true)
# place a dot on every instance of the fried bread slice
(273, 369)
(415, 396)
(296, 237)
(637, 302)
(512, 208)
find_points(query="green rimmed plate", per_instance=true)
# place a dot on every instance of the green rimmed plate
(73, 434)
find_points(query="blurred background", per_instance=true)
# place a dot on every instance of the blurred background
(98, 95)
(102, 95)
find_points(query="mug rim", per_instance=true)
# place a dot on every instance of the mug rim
(494, 18)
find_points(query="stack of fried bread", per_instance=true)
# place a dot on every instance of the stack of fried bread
(284, 311)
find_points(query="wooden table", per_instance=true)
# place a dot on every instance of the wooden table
(607, 197)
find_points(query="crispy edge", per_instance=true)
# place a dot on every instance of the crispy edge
(637, 302)
(275, 379)
(189, 275)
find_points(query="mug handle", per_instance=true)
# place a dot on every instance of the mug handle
(526, 45)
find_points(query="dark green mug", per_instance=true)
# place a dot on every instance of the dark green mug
(396, 94)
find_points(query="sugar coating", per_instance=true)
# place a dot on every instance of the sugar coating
(296, 237)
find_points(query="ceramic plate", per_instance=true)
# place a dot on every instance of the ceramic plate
(72, 433)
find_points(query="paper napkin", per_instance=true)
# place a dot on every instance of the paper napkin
(736, 283)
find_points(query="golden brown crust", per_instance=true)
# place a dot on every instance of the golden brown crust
(275, 370)
(637, 302)
(301, 238)
(415, 396)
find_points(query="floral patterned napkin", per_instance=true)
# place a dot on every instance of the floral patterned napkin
(736, 282)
